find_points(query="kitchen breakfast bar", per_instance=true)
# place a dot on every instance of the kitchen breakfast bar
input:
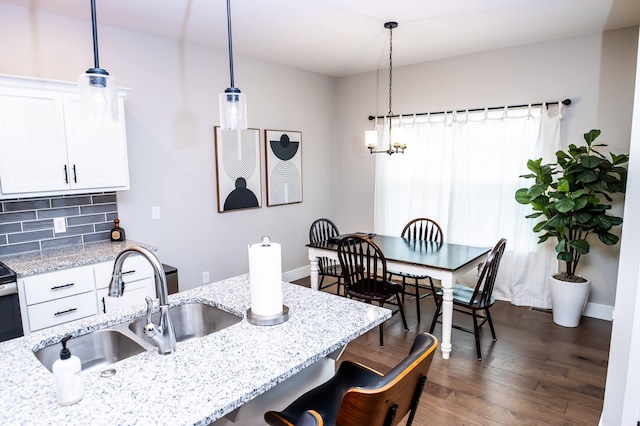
(207, 380)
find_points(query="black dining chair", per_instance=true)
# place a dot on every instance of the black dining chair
(471, 300)
(365, 275)
(360, 396)
(421, 229)
(321, 230)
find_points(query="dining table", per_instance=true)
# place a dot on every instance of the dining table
(441, 261)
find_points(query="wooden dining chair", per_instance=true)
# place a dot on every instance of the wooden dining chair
(365, 275)
(321, 230)
(421, 229)
(360, 396)
(471, 300)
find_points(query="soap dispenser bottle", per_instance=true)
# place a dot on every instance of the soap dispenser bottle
(66, 373)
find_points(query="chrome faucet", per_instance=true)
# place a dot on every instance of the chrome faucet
(163, 334)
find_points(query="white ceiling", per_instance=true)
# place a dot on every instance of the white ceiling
(344, 37)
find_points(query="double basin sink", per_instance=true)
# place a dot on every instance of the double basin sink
(107, 346)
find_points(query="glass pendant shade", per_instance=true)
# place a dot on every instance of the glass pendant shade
(371, 138)
(233, 109)
(397, 138)
(98, 95)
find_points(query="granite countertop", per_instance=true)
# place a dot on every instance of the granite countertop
(50, 260)
(204, 379)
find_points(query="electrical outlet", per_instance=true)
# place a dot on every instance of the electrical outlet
(155, 212)
(205, 277)
(59, 225)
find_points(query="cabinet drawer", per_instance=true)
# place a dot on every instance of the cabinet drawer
(54, 285)
(135, 268)
(62, 310)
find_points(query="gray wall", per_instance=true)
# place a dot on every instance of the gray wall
(596, 71)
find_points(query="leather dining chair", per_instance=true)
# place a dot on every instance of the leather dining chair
(360, 396)
(421, 229)
(471, 300)
(365, 275)
(321, 230)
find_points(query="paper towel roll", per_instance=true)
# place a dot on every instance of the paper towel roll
(265, 278)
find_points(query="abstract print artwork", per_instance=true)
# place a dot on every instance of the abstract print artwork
(238, 169)
(284, 166)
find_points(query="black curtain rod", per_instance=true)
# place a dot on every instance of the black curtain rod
(565, 102)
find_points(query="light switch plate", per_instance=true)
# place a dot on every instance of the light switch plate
(59, 225)
(155, 212)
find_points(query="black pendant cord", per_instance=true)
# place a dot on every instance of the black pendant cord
(565, 102)
(95, 34)
(230, 42)
(390, 67)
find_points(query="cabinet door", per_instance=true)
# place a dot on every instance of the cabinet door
(135, 268)
(139, 282)
(97, 151)
(33, 155)
(134, 294)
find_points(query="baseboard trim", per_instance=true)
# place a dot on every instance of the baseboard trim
(296, 274)
(592, 310)
(599, 311)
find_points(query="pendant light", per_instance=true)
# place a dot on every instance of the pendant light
(233, 104)
(97, 89)
(395, 134)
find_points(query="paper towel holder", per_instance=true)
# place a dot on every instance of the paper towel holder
(276, 319)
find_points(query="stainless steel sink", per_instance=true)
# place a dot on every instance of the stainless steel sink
(96, 350)
(190, 321)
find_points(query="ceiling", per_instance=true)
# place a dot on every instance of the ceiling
(344, 37)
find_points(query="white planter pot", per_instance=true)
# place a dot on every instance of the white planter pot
(568, 301)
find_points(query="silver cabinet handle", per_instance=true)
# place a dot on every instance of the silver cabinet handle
(58, 287)
(68, 311)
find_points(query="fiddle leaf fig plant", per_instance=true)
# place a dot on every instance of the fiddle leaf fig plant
(573, 197)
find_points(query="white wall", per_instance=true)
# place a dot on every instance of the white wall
(595, 71)
(170, 115)
(622, 391)
(172, 109)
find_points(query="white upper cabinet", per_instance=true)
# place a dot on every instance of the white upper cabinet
(33, 151)
(97, 153)
(46, 148)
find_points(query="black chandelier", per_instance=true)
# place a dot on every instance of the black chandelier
(396, 144)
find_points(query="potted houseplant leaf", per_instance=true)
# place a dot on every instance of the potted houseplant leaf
(572, 198)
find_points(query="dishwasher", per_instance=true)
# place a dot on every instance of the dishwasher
(10, 320)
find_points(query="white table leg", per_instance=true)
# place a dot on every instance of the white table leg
(314, 273)
(447, 314)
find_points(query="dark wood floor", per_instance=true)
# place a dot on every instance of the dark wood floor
(537, 373)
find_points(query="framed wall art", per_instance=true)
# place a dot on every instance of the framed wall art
(283, 151)
(238, 169)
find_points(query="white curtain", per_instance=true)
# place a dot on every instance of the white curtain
(462, 170)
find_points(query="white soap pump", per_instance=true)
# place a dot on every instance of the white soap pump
(66, 372)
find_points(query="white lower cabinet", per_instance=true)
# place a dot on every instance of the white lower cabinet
(134, 294)
(57, 297)
(139, 283)
(66, 295)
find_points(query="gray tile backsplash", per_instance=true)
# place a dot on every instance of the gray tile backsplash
(26, 224)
